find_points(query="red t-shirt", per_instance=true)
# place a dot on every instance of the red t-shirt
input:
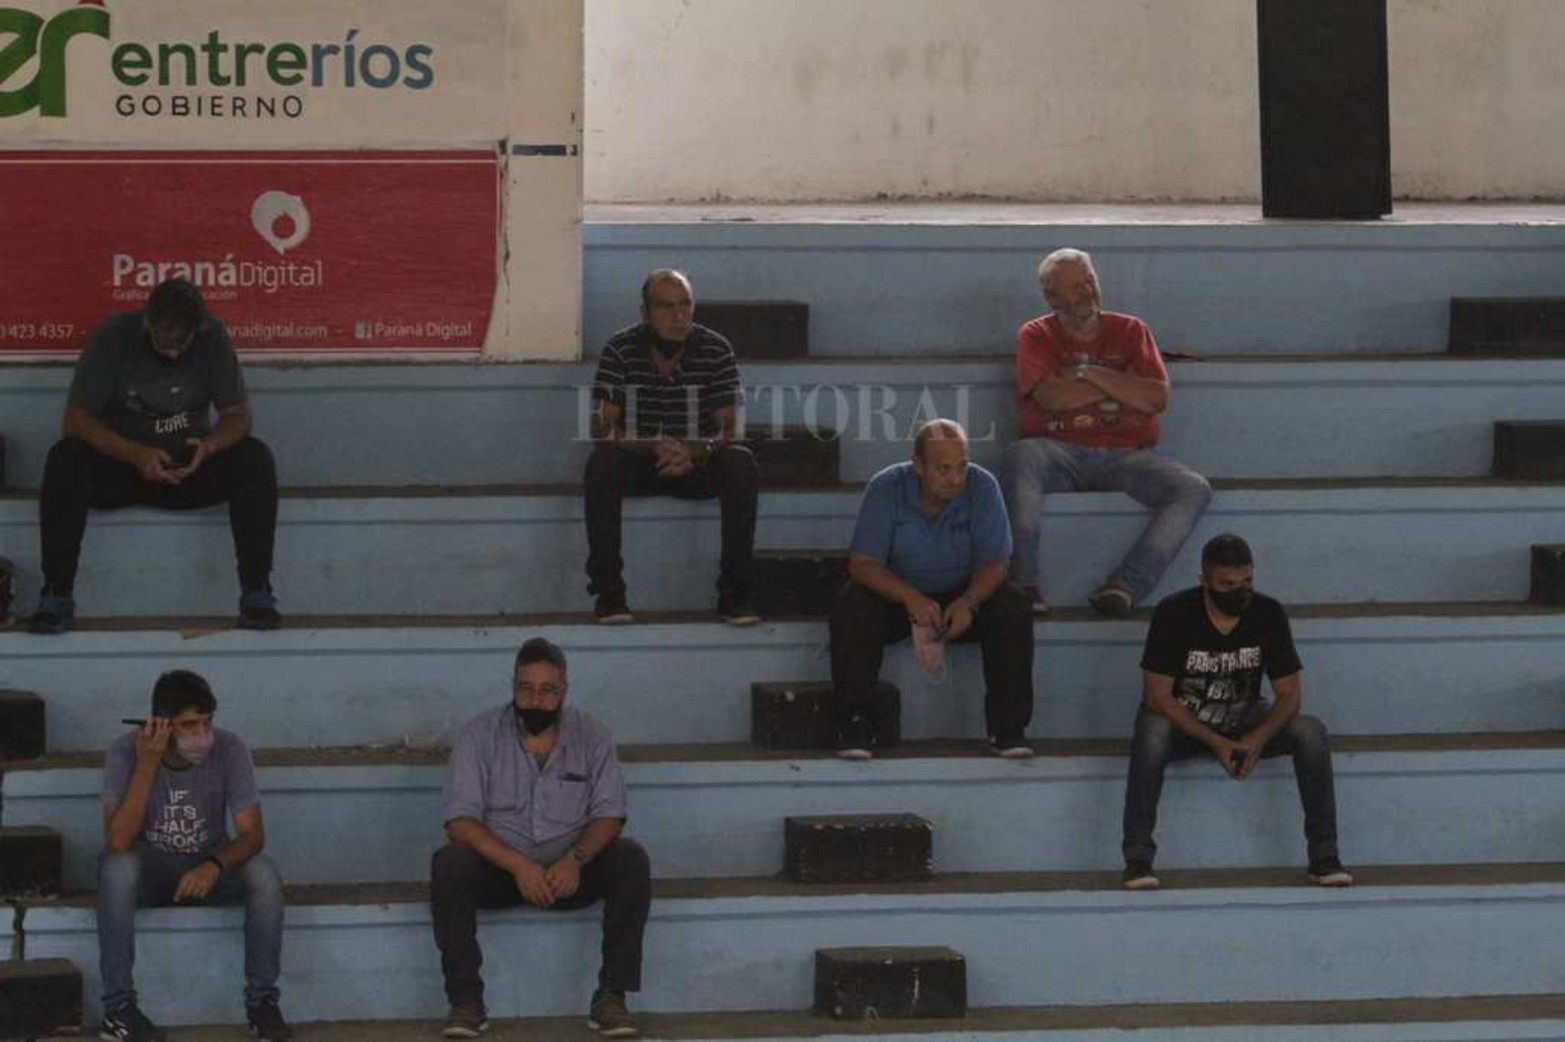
(1044, 349)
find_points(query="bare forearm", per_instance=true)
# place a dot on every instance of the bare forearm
(83, 426)
(476, 835)
(599, 834)
(240, 849)
(232, 427)
(1065, 394)
(1182, 718)
(866, 571)
(1140, 393)
(986, 579)
(125, 821)
(1290, 696)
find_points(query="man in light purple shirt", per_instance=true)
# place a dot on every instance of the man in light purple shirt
(534, 807)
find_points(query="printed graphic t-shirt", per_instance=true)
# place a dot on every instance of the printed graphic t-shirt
(1217, 676)
(188, 810)
(120, 380)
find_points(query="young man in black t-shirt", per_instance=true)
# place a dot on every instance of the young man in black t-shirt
(1204, 657)
(139, 430)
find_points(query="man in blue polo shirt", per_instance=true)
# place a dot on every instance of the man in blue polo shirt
(931, 550)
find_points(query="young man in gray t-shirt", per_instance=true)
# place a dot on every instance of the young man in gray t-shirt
(168, 791)
(139, 431)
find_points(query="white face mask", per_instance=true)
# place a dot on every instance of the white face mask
(929, 651)
(194, 748)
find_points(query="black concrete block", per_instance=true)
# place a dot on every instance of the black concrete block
(7, 590)
(1532, 326)
(798, 715)
(39, 997)
(795, 456)
(1548, 574)
(858, 848)
(760, 328)
(22, 732)
(798, 582)
(32, 861)
(877, 983)
(2, 462)
(1529, 450)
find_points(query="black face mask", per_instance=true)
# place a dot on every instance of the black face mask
(537, 721)
(1232, 602)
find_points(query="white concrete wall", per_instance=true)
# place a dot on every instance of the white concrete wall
(1046, 99)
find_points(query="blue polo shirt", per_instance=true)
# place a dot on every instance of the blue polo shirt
(934, 555)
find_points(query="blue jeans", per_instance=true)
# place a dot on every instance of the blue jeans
(1158, 741)
(1176, 495)
(145, 877)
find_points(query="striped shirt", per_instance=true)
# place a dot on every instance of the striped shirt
(705, 379)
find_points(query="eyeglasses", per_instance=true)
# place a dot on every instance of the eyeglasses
(546, 690)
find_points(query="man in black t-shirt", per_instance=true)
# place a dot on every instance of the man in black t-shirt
(138, 430)
(1205, 654)
(668, 397)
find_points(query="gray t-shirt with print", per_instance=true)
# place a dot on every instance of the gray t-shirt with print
(120, 380)
(189, 809)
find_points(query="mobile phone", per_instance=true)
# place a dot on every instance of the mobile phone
(134, 722)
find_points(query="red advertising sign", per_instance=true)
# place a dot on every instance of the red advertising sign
(295, 251)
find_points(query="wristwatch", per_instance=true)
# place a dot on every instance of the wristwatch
(580, 856)
(1081, 371)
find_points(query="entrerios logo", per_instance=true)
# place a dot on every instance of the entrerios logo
(34, 36)
(200, 75)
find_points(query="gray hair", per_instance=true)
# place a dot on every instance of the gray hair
(1066, 255)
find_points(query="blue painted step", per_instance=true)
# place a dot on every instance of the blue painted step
(483, 553)
(909, 288)
(392, 424)
(752, 951)
(1470, 668)
(1057, 812)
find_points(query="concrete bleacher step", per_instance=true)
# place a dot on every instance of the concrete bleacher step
(960, 282)
(1508, 326)
(418, 551)
(1408, 799)
(484, 424)
(1029, 939)
(1369, 669)
(1465, 1018)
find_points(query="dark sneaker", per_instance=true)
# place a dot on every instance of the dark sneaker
(608, 1015)
(129, 1024)
(55, 614)
(856, 741)
(1328, 871)
(1138, 876)
(466, 1020)
(611, 609)
(1034, 598)
(738, 609)
(1111, 602)
(258, 611)
(1011, 747)
(267, 1023)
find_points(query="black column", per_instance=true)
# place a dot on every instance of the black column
(1325, 109)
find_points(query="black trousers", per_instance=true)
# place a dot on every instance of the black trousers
(77, 478)
(461, 882)
(863, 623)
(614, 473)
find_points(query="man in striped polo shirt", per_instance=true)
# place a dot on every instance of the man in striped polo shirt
(668, 397)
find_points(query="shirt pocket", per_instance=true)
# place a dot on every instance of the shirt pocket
(564, 798)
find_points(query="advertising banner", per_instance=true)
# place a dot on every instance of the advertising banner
(295, 251)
